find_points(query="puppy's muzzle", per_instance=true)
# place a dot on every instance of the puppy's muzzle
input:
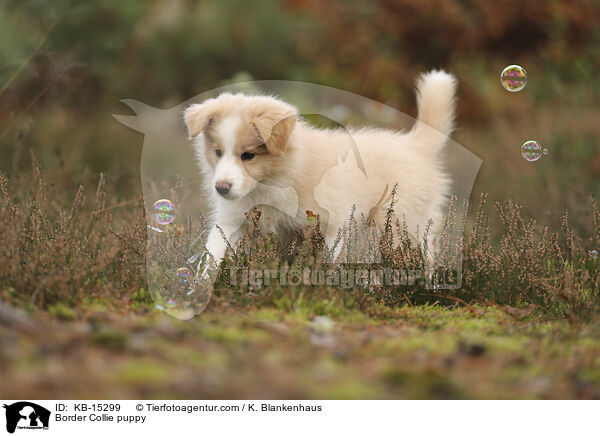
(222, 187)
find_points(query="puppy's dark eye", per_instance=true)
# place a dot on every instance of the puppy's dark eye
(219, 153)
(248, 156)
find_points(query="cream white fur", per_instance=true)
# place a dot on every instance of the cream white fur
(228, 170)
(321, 167)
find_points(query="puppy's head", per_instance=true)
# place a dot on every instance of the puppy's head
(241, 139)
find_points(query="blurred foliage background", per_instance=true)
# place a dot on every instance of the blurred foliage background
(64, 66)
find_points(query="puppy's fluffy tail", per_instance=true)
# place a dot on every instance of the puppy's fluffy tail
(435, 101)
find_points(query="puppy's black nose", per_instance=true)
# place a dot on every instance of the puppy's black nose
(223, 187)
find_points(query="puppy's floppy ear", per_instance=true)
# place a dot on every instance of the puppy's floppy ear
(274, 121)
(198, 116)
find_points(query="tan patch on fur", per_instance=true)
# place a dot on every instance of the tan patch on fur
(246, 139)
(273, 123)
(199, 116)
(275, 133)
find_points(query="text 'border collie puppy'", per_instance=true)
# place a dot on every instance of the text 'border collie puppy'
(254, 150)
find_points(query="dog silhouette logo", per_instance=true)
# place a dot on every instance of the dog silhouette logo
(186, 244)
(26, 415)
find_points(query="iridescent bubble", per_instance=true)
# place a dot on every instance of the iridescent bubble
(531, 150)
(545, 151)
(513, 78)
(183, 276)
(594, 254)
(164, 212)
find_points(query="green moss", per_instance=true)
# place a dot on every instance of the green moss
(143, 371)
(62, 312)
(266, 315)
(141, 298)
(180, 353)
(346, 389)
(232, 334)
(414, 340)
(115, 339)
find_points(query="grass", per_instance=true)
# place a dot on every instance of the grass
(412, 352)
(523, 325)
(56, 255)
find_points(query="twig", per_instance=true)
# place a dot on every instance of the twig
(123, 240)
(125, 203)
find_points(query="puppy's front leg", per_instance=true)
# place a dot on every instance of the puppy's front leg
(216, 245)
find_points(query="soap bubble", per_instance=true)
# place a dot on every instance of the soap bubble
(164, 212)
(594, 254)
(545, 151)
(513, 78)
(183, 276)
(531, 150)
